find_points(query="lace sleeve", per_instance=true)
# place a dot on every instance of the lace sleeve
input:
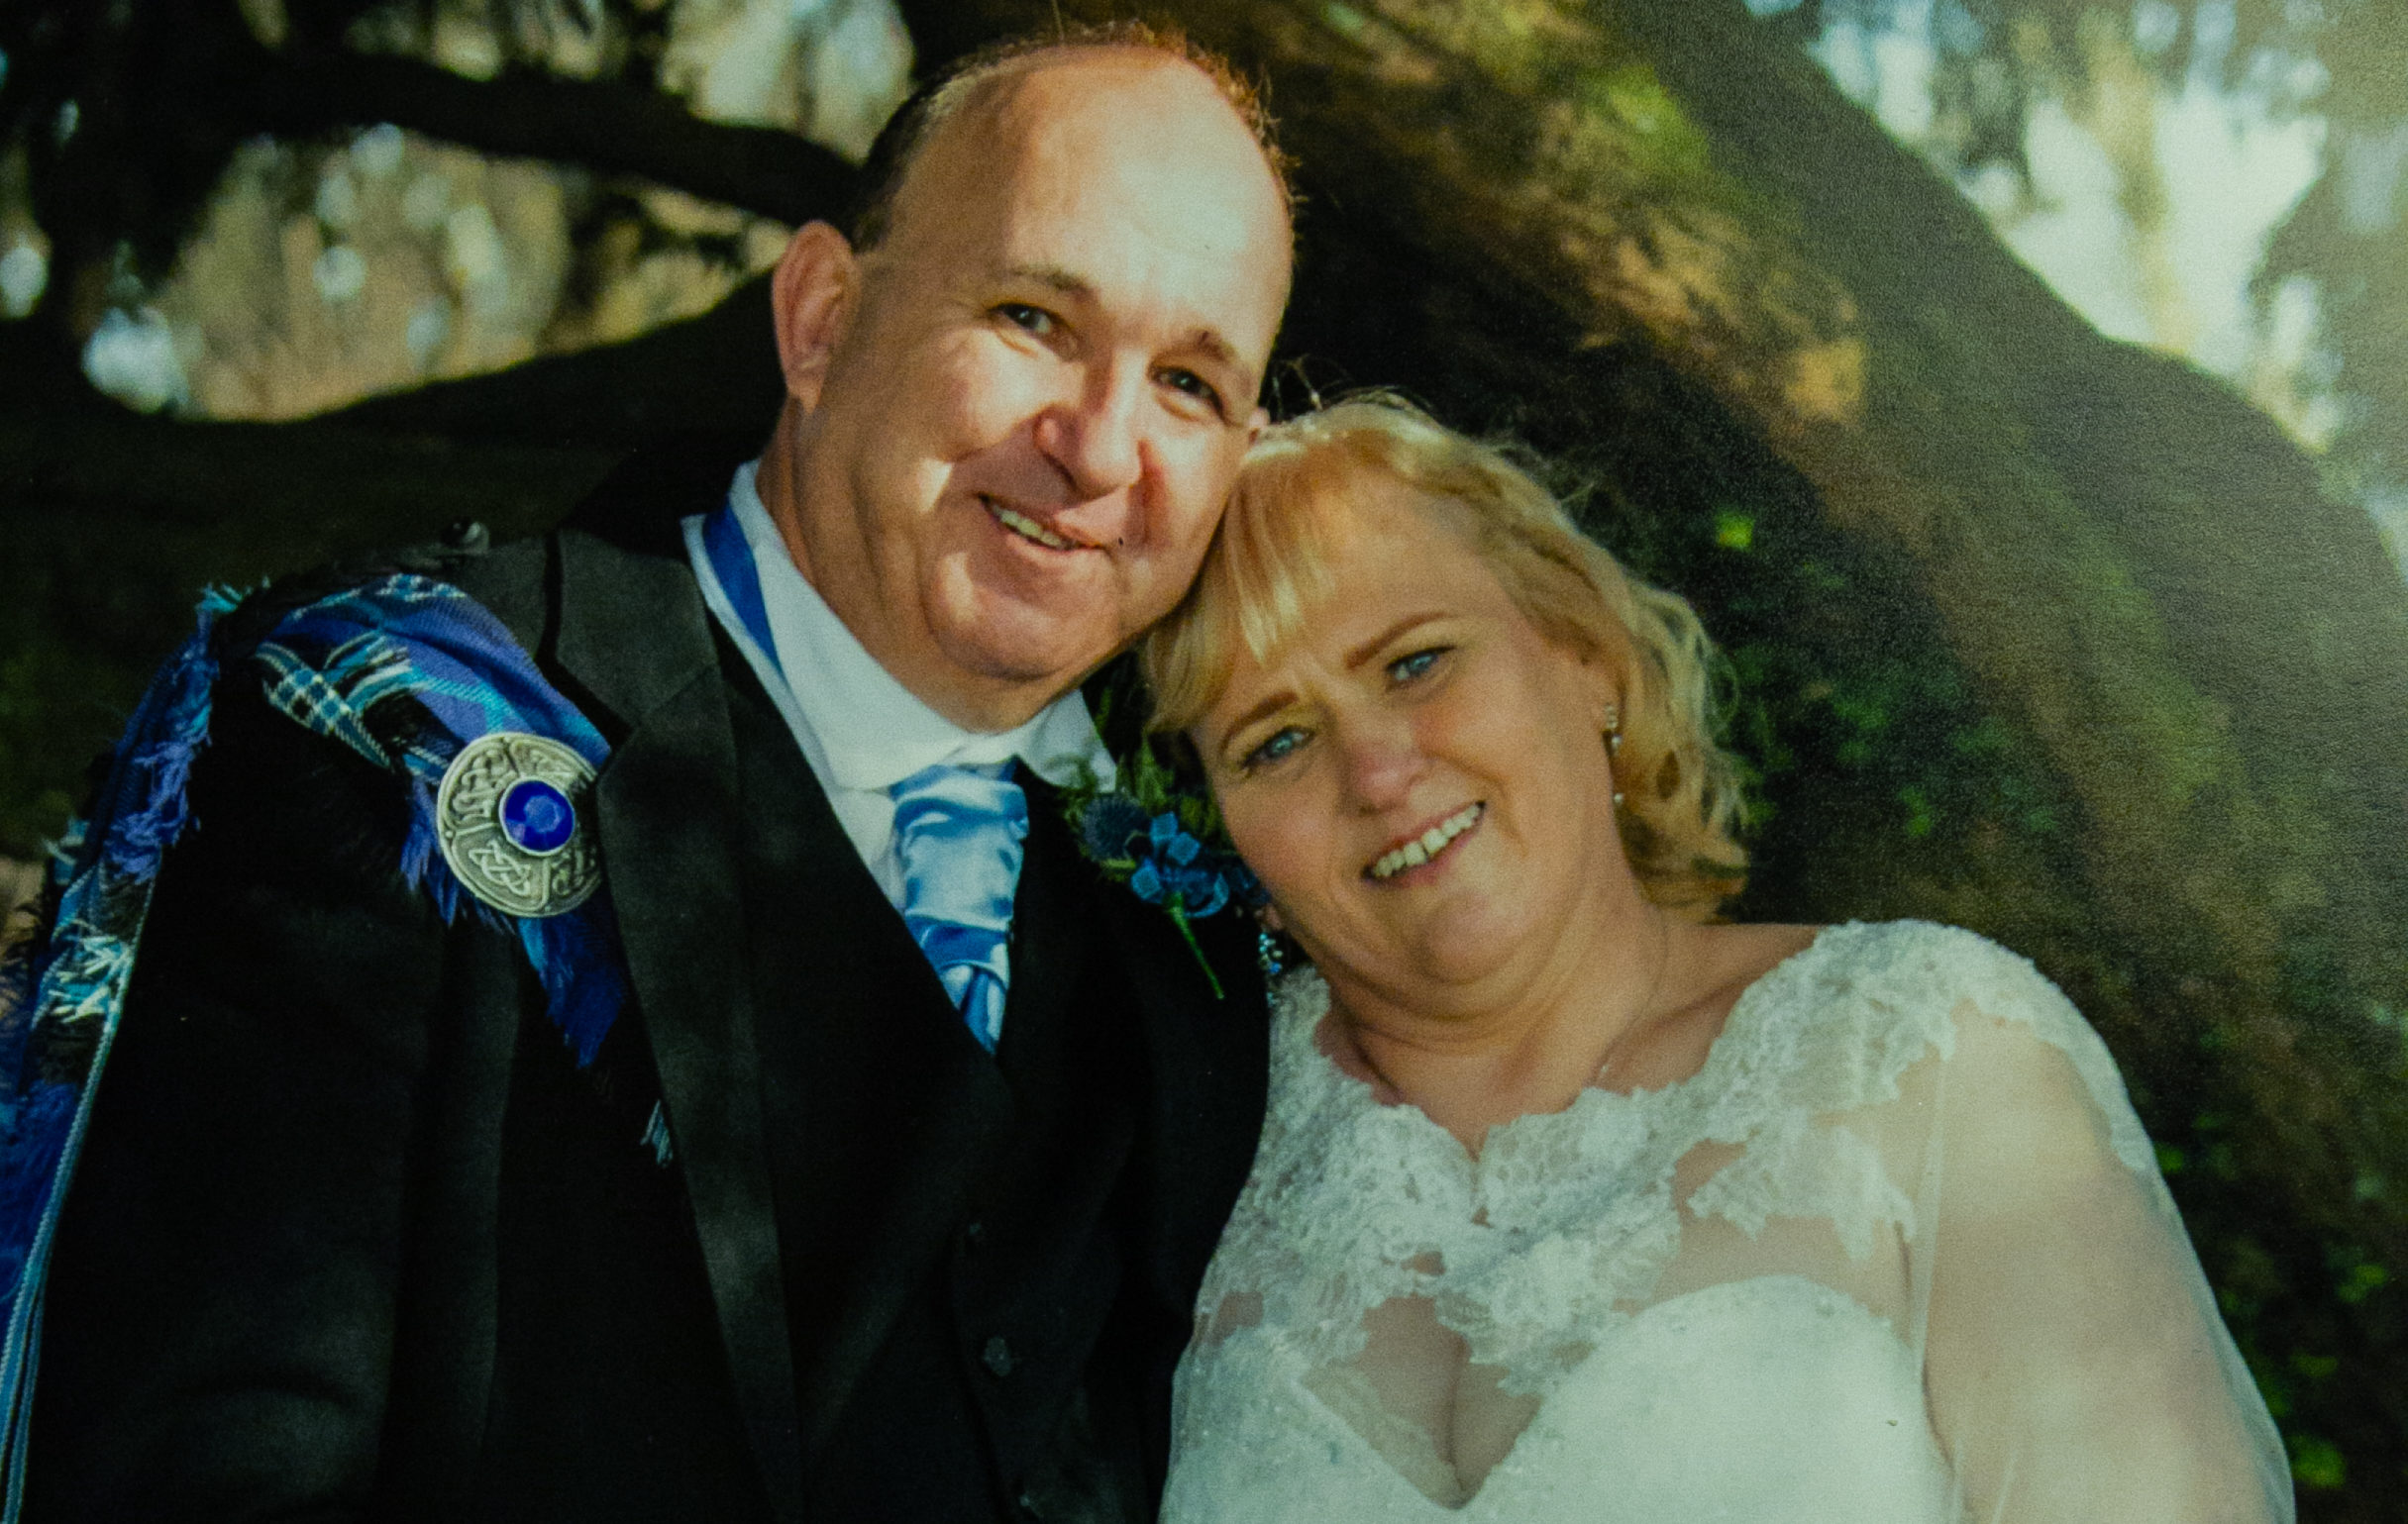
(2076, 1367)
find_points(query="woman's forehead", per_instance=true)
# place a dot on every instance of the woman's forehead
(1376, 552)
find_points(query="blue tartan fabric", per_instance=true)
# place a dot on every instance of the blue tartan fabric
(62, 993)
(331, 702)
(404, 671)
(331, 665)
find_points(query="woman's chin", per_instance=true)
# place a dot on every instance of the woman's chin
(1459, 948)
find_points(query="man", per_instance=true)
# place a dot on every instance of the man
(864, 1208)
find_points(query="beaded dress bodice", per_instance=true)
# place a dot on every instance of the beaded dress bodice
(1897, 1251)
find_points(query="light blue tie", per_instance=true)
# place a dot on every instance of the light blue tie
(957, 833)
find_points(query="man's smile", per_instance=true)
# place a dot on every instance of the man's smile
(1030, 529)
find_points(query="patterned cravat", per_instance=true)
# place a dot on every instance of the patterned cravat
(957, 833)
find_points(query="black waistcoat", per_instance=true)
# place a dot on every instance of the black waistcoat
(953, 1246)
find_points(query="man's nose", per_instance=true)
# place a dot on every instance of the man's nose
(1093, 435)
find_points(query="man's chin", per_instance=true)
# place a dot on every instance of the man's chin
(1038, 655)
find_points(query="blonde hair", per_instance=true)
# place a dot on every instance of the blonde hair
(1268, 568)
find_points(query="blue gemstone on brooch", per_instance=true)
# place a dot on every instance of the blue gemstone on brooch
(537, 817)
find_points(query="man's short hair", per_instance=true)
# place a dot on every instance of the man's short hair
(935, 102)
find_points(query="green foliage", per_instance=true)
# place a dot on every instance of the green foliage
(2318, 1463)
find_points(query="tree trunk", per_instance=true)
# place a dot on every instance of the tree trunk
(2194, 662)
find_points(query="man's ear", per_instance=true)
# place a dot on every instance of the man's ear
(814, 292)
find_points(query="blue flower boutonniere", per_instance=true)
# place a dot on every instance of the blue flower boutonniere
(1163, 842)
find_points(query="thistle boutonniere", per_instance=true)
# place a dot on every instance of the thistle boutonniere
(1162, 841)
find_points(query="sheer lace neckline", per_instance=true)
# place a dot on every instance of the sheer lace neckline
(1580, 1321)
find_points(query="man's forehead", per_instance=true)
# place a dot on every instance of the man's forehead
(1079, 104)
(1138, 149)
(1023, 95)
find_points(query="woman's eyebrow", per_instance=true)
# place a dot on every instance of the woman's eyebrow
(1270, 705)
(1371, 647)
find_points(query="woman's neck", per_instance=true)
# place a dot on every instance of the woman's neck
(1636, 1005)
(1530, 1041)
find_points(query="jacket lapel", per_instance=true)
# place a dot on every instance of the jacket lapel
(634, 634)
(1050, 944)
(883, 1111)
(1207, 1062)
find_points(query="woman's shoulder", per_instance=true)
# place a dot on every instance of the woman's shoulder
(1865, 1001)
(1868, 1001)
(1924, 966)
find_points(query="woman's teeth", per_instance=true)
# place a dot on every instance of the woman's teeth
(1030, 529)
(1429, 845)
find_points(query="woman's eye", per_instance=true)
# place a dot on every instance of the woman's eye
(1021, 315)
(1418, 664)
(1283, 744)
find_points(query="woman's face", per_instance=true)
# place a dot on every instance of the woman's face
(1419, 779)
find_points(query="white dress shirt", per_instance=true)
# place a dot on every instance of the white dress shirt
(862, 731)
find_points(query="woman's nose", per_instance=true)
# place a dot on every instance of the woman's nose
(1382, 756)
(1093, 435)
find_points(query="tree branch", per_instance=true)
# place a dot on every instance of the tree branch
(607, 126)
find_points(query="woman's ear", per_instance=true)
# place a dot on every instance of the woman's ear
(1270, 917)
(1604, 688)
(812, 294)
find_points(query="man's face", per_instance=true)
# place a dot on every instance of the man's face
(1038, 388)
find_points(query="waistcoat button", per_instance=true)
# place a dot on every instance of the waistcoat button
(997, 1357)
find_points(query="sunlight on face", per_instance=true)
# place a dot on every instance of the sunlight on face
(1419, 778)
(1030, 425)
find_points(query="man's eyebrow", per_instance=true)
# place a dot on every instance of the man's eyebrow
(1068, 283)
(1053, 277)
(1221, 350)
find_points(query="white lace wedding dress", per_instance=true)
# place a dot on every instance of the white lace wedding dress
(1898, 1252)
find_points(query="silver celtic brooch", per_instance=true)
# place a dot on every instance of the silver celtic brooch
(509, 818)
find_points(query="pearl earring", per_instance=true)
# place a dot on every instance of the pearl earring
(1613, 739)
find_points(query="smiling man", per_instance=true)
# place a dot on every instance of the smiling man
(1014, 417)
(882, 1157)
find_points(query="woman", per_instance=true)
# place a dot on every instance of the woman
(1574, 1203)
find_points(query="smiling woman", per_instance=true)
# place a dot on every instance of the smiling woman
(1573, 1203)
(1273, 561)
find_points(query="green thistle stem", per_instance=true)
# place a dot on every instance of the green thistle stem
(1179, 918)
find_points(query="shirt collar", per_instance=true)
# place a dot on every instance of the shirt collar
(874, 730)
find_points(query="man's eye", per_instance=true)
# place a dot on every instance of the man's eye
(1021, 315)
(1283, 744)
(1418, 664)
(1194, 385)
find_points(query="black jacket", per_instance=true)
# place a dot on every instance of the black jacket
(353, 1237)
